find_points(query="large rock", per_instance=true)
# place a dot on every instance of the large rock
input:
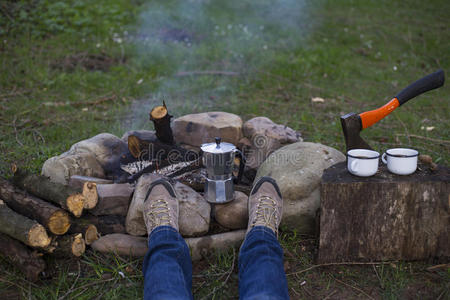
(234, 214)
(60, 168)
(298, 169)
(107, 149)
(196, 129)
(264, 137)
(194, 214)
(128, 245)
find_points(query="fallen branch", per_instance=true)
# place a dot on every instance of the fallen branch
(212, 72)
(351, 263)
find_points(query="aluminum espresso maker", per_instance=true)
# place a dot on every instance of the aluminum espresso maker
(218, 158)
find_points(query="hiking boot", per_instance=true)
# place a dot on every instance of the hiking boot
(265, 205)
(161, 205)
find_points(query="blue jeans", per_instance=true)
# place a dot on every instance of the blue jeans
(168, 268)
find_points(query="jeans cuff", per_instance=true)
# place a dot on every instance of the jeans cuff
(262, 229)
(162, 228)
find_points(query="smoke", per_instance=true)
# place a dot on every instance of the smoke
(198, 35)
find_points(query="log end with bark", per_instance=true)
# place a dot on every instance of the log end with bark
(90, 195)
(59, 222)
(75, 204)
(22, 228)
(161, 119)
(70, 245)
(57, 193)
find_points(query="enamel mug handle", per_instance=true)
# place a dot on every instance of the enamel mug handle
(383, 158)
(354, 165)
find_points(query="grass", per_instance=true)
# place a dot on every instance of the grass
(72, 70)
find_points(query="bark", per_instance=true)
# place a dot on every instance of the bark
(27, 261)
(55, 219)
(161, 120)
(106, 224)
(57, 193)
(70, 246)
(22, 228)
(84, 226)
(77, 181)
(113, 199)
(384, 217)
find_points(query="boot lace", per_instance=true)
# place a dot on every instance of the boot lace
(266, 214)
(159, 213)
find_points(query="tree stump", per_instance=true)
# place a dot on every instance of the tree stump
(384, 217)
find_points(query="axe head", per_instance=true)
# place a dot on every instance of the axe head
(352, 126)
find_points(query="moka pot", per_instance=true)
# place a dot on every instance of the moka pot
(218, 159)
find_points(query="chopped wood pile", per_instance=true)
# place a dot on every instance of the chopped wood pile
(40, 217)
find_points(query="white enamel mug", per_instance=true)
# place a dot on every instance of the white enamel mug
(362, 162)
(401, 161)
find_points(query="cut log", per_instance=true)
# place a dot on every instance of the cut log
(90, 195)
(124, 244)
(89, 230)
(70, 245)
(57, 193)
(77, 181)
(21, 228)
(161, 120)
(55, 219)
(113, 199)
(28, 262)
(384, 217)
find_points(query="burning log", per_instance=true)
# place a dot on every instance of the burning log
(89, 230)
(161, 120)
(29, 262)
(55, 219)
(57, 193)
(77, 181)
(70, 245)
(113, 199)
(21, 228)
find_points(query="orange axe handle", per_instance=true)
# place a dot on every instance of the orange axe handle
(430, 82)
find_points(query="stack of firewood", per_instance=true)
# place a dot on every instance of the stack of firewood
(40, 217)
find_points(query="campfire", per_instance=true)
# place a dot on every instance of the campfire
(92, 195)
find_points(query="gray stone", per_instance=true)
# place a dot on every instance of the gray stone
(234, 214)
(194, 214)
(196, 129)
(107, 149)
(128, 245)
(298, 169)
(265, 137)
(60, 168)
(195, 211)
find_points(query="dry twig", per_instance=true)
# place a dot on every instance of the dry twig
(350, 263)
(226, 279)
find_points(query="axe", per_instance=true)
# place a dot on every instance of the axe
(353, 123)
